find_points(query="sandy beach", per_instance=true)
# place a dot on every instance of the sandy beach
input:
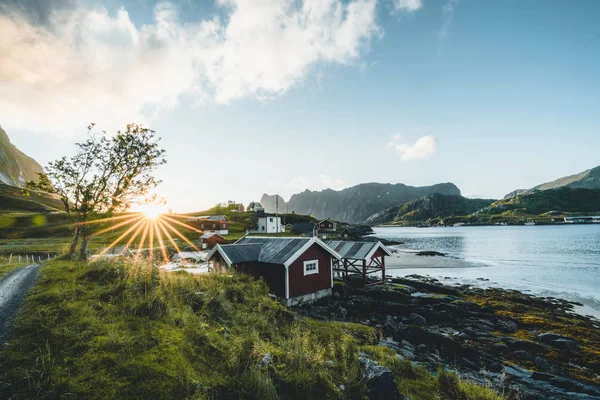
(406, 260)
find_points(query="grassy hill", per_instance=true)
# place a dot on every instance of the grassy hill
(14, 199)
(429, 209)
(561, 200)
(126, 330)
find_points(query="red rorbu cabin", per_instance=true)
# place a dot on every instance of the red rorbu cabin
(298, 270)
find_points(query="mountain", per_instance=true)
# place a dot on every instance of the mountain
(589, 179)
(357, 203)
(269, 202)
(560, 200)
(16, 168)
(432, 206)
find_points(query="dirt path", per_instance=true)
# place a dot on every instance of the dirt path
(12, 291)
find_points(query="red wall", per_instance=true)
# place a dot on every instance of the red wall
(300, 284)
(273, 275)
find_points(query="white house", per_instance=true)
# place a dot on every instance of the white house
(270, 223)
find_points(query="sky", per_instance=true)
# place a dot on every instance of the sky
(279, 96)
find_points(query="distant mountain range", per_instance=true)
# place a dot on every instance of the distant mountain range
(16, 168)
(588, 179)
(357, 203)
(429, 207)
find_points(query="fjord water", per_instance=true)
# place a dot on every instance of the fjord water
(559, 260)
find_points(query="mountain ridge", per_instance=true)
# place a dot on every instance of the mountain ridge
(588, 179)
(355, 204)
(16, 168)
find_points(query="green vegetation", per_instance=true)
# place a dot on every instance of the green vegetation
(534, 315)
(125, 330)
(562, 200)
(14, 199)
(6, 267)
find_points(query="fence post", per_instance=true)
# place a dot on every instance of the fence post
(10, 258)
(48, 256)
(19, 259)
(27, 258)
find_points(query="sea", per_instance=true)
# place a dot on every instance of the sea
(561, 261)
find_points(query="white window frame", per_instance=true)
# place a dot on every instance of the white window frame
(311, 272)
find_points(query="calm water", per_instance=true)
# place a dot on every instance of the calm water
(560, 261)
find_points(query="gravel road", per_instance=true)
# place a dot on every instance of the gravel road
(12, 291)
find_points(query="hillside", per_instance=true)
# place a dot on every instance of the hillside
(126, 330)
(357, 203)
(16, 168)
(589, 179)
(560, 200)
(24, 200)
(432, 206)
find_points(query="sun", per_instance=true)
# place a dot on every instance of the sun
(151, 211)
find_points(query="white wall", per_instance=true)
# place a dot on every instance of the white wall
(270, 225)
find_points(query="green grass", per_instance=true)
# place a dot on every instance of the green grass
(6, 268)
(124, 330)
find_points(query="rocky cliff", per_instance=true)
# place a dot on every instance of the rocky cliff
(16, 168)
(357, 203)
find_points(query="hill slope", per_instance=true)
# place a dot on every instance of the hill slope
(432, 206)
(589, 179)
(16, 167)
(562, 199)
(357, 203)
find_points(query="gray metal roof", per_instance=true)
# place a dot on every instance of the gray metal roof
(275, 250)
(210, 234)
(352, 250)
(240, 253)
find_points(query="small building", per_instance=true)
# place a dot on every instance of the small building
(255, 206)
(288, 227)
(210, 223)
(210, 240)
(360, 259)
(269, 223)
(298, 270)
(304, 228)
(327, 225)
(582, 220)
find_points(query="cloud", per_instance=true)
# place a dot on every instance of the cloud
(64, 67)
(332, 183)
(424, 147)
(298, 183)
(407, 5)
(448, 13)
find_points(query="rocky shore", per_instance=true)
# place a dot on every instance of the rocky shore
(522, 346)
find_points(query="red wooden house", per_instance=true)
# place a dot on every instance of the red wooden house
(210, 223)
(327, 225)
(297, 270)
(210, 240)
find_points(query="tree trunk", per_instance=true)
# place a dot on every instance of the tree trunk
(75, 241)
(83, 250)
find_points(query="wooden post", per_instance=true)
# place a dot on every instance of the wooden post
(365, 272)
(345, 268)
(383, 268)
(10, 258)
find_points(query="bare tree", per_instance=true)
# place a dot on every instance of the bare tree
(106, 174)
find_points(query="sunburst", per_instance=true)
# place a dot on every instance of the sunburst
(146, 227)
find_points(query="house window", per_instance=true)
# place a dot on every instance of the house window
(214, 226)
(311, 267)
(224, 226)
(202, 226)
(270, 219)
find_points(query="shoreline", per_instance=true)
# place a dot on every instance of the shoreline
(446, 269)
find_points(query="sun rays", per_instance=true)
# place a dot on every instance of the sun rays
(148, 230)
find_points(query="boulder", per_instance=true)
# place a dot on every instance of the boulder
(549, 337)
(565, 344)
(379, 381)
(522, 355)
(542, 364)
(417, 319)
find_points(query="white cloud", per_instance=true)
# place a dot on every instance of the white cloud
(332, 183)
(424, 147)
(85, 64)
(407, 5)
(299, 183)
(448, 13)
